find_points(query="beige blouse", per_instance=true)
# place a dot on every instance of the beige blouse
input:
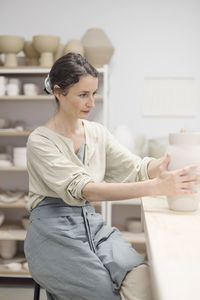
(55, 170)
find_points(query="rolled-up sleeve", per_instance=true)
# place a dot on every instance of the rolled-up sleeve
(52, 171)
(121, 164)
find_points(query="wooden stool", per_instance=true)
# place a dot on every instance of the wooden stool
(36, 292)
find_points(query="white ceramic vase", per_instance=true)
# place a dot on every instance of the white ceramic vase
(8, 248)
(184, 149)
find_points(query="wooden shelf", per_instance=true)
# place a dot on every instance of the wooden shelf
(21, 203)
(6, 272)
(13, 168)
(7, 233)
(31, 70)
(134, 238)
(15, 133)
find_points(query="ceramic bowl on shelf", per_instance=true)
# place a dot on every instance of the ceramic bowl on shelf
(14, 266)
(46, 45)
(31, 53)
(5, 163)
(11, 45)
(134, 225)
(4, 123)
(74, 46)
(8, 248)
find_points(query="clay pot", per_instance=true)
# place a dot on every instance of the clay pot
(10, 45)
(31, 53)
(74, 46)
(46, 45)
(98, 47)
(8, 248)
(134, 225)
(184, 149)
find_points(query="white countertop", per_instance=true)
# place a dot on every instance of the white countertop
(173, 246)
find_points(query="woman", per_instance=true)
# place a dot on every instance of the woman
(71, 163)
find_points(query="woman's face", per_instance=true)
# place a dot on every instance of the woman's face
(80, 98)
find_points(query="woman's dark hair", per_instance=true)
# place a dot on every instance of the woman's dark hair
(67, 71)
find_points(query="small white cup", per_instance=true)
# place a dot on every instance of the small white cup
(2, 89)
(30, 89)
(3, 80)
(19, 156)
(12, 89)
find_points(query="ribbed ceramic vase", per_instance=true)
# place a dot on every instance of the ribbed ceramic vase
(184, 149)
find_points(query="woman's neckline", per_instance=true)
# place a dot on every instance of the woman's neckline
(63, 136)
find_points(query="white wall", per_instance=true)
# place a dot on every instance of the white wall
(151, 38)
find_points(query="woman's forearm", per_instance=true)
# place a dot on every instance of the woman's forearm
(153, 167)
(117, 191)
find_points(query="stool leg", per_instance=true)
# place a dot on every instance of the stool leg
(37, 291)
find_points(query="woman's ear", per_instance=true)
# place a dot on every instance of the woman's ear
(57, 91)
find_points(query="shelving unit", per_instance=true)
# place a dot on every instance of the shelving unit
(34, 110)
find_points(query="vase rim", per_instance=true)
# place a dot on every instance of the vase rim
(185, 138)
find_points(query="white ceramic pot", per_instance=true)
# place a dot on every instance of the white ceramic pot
(19, 156)
(30, 89)
(184, 149)
(8, 248)
(134, 225)
(12, 89)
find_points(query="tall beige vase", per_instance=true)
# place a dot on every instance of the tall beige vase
(184, 149)
(98, 47)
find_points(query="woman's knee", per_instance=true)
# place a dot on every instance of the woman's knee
(137, 284)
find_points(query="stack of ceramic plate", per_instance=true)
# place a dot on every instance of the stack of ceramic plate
(5, 160)
(19, 156)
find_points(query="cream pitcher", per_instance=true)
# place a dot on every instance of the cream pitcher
(184, 149)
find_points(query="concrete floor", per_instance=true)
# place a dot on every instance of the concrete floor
(18, 289)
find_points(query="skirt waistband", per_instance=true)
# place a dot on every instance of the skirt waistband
(51, 207)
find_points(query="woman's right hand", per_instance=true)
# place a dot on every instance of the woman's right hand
(177, 182)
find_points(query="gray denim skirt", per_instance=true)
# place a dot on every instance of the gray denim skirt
(73, 255)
